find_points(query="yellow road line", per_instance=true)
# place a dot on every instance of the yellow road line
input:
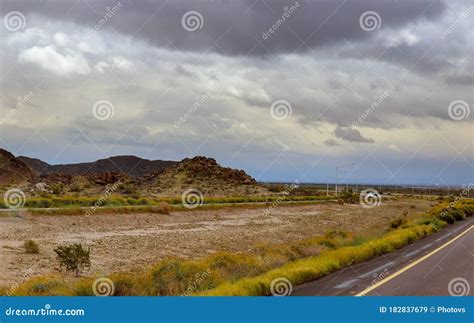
(416, 262)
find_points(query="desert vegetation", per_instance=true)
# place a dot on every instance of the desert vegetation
(250, 273)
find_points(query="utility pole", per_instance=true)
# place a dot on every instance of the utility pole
(337, 173)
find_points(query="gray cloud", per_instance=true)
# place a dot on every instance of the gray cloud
(349, 134)
(233, 27)
(331, 142)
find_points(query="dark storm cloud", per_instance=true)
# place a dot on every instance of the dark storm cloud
(235, 27)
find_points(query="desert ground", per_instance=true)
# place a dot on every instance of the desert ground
(122, 242)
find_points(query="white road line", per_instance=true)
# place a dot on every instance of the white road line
(413, 264)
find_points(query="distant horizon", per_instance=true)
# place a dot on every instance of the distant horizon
(273, 181)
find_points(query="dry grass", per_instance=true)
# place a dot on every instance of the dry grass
(251, 273)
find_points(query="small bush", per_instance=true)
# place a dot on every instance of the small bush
(468, 210)
(74, 257)
(397, 223)
(457, 214)
(445, 216)
(57, 188)
(43, 286)
(163, 208)
(348, 196)
(31, 247)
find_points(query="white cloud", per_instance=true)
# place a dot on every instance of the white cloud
(101, 66)
(49, 59)
(61, 39)
(122, 63)
(403, 37)
(394, 147)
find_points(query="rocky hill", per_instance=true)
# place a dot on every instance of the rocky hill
(134, 176)
(13, 170)
(204, 174)
(129, 165)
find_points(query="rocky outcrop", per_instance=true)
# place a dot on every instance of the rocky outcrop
(12, 169)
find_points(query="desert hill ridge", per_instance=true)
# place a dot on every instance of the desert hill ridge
(135, 174)
(13, 169)
(129, 165)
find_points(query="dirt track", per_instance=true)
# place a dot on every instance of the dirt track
(121, 242)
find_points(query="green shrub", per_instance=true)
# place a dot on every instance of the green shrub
(74, 257)
(447, 217)
(31, 247)
(57, 188)
(397, 223)
(43, 286)
(468, 210)
(457, 214)
(348, 196)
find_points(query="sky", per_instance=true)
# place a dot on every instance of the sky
(286, 90)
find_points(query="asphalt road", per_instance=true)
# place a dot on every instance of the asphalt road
(425, 267)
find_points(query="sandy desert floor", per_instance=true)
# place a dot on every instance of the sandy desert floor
(121, 242)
